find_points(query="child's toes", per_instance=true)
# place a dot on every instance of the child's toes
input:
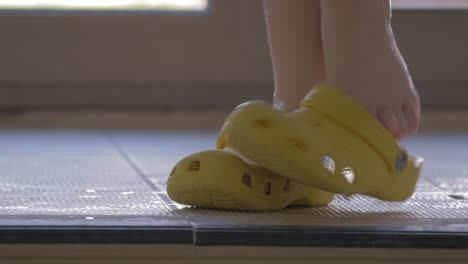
(389, 120)
(399, 122)
(411, 111)
(402, 124)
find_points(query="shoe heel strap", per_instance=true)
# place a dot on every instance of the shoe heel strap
(344, 110)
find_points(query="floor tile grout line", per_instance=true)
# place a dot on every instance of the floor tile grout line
(142, 175)
(132, 164)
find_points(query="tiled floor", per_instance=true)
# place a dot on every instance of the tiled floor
(54, 173)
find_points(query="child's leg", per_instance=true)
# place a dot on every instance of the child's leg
(362, 58)
(295, 48)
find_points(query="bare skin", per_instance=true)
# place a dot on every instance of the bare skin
(295, 48)
(352, 42)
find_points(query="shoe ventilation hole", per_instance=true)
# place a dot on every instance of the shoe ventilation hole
(263, 122)
(328, 163)
(348, 173)
(246, 180)
(286, 186)
(298, 143)
(268, 188)
(194, 165)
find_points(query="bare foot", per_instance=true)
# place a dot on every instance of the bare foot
(295, 47)
(363, 59)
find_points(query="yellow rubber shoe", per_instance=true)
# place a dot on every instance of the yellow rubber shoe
(331, 143)
(222, 180)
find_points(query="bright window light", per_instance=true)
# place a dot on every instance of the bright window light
(430, 4)
(179, 5)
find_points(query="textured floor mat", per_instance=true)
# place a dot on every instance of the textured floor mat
(96, 175)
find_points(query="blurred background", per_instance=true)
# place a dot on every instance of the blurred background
(190, 54)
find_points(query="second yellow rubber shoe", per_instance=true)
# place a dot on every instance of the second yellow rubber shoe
(221, 180)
